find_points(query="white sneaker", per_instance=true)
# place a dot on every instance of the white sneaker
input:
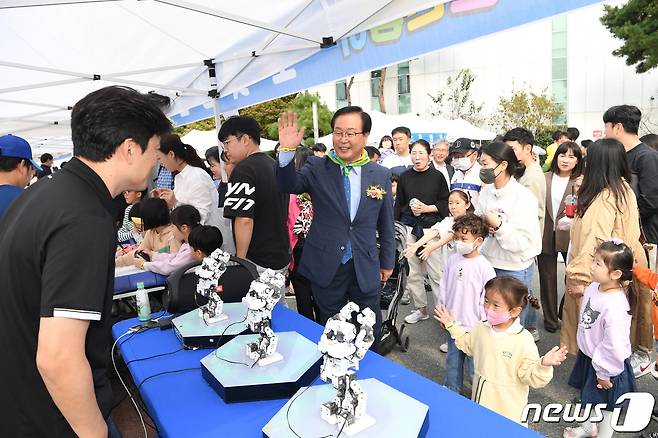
(641, 363)
(443, 348)
(406, 299)
(415, 316)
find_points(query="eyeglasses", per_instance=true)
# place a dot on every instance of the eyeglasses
(237, 137)
(350, 134)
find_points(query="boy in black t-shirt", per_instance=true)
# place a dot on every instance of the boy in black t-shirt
(258, 210)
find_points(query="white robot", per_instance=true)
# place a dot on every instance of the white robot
(263, 295)
(211, 269)
(343, 348)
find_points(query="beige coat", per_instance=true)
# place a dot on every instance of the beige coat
(163, 241)
(603, 220)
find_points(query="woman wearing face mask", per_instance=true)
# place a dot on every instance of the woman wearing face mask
(565, 168)
(510, 211)
(421, 201)
(464, 156)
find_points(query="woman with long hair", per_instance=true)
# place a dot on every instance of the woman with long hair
(193, 183)
(510, 211)
(606, 208)
(566, 167)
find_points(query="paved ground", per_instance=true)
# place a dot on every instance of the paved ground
(424, 358)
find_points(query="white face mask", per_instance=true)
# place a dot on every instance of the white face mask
(462, 164)
(464, 248)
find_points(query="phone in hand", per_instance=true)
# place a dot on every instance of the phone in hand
(143, 255)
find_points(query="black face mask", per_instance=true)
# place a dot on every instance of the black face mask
(488, 176)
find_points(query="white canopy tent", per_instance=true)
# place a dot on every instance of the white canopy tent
(213, 57)
(54, 52)
(203, 140)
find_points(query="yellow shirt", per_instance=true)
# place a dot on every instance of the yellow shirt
(506, 365)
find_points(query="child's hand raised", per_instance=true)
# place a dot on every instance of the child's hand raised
(555, 357)
(603, 384)
(410, 251)
(443, 315)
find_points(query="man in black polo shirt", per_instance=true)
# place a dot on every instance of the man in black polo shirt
(57, 246)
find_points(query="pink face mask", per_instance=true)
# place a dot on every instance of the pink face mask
(496, 318)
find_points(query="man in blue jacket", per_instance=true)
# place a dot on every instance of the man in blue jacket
(353, 207)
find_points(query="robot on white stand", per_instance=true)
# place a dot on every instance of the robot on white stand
(343, 348)
(263, 295)
(211, 269)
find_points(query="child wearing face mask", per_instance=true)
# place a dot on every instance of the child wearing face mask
(459, 204)
(461, 289)
(439, 237)
(505, 356)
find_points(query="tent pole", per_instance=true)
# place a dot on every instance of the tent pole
(260, 52)
(238, 19)
(316, 132)
(45, 105)
(214, 94)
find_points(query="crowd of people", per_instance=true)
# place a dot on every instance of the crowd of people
(478, 221)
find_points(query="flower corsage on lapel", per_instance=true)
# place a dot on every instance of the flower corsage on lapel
(375, 192)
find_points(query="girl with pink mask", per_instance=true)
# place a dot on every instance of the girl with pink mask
(507, 362)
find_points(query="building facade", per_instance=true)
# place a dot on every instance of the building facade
(569, 56)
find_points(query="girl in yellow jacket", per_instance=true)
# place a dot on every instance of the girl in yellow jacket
(506, 359)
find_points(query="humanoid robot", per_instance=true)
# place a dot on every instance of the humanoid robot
(263, 295)
(211, 269)
(343, 348)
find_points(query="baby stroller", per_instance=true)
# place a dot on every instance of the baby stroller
(391, 295)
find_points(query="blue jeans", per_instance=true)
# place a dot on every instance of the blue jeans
(528, 314)
(455, 363)
(112, 431)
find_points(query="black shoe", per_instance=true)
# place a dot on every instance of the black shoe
(550, 329)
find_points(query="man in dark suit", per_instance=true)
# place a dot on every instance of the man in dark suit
(438, 161)
(352, 202)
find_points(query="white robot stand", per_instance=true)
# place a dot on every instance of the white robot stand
(211, 269)
(343, 348)
(263, 295)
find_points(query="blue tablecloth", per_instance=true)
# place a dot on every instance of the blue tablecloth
(125, 283)
(184, 405)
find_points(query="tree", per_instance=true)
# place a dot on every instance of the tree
(348, 91)
(380, 90)
(532, 111)
(636, 23)
(201, 125)
(267, 113)
(302, 104)
(454, 101)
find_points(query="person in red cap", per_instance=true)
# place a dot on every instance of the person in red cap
(16, 169)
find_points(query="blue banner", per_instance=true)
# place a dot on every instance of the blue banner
(431, 137)
(408, 37)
